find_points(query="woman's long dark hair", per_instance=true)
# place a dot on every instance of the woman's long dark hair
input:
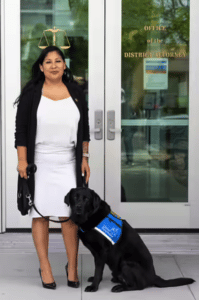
(38, 75)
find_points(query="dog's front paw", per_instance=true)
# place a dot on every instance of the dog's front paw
(90, 279)
(117, 288)
(91, 288)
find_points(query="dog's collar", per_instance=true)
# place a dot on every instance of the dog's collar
(110, 227)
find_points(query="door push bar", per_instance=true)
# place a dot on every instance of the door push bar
(111, 125)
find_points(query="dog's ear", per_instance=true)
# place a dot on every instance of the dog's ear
(67, 198)
(96, 201)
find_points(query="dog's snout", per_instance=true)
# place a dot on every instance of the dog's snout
(78, 208)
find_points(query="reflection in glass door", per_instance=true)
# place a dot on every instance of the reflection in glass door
(155, 101)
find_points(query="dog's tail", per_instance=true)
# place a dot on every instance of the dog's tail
(160, 282)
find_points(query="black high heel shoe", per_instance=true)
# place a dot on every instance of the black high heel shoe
(47, 285)
(74, 284)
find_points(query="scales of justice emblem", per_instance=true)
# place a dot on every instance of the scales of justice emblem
(54, 31)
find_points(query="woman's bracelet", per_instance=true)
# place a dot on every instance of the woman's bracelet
(86, 154)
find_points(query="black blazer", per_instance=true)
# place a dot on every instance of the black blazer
(26, 124)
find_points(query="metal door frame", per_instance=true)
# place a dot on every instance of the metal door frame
(2, 136)
(9, 90)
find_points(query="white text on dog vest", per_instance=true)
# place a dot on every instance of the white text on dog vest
(110, 227)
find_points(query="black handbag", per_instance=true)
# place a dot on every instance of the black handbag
(24, 199)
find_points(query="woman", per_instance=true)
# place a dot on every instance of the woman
(52, 131)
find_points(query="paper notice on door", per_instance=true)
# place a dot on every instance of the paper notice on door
(155, 73)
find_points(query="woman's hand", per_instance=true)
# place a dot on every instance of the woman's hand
(22, 165)
(85, 168)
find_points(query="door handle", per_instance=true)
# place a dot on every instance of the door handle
(98, 132)
(111, 130)
(115, 130)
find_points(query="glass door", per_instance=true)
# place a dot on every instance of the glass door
(147, 112)
(25, 28)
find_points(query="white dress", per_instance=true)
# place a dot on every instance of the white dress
(56, 138)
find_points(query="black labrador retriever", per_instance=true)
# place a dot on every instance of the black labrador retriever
(127, 256)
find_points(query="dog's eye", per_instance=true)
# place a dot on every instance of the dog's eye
(75, 197)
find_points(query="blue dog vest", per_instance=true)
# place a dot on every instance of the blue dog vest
(110, 227)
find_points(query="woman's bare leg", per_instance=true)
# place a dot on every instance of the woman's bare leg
(40, 233)
(71, 242)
